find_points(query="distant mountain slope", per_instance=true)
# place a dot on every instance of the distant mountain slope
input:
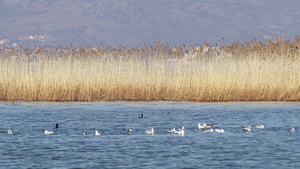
(133, 22)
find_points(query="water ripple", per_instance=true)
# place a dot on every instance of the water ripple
(29, 147)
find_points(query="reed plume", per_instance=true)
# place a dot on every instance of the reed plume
(249, 71)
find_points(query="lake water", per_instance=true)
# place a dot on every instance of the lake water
(271, 147)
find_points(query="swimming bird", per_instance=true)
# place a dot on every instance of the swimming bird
(219, 130)
(150, 131)
(83, 132)
(180, 131)
(208, 125)
(129, 131)
(97, 133)
(292, 130)
(247, 128)
(49, 132)
(204, 126)
(208, 130)
(201, 126)
(56, 125)
(171, 130)
(10, 132)
(260, 126)
(142, 116)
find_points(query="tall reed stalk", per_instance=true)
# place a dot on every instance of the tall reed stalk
(250, 71)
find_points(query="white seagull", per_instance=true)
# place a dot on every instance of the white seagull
(247, 131)
(208, 130)
(219, 130)
(129, 131)
(150, 131)
(180, 131)
(49, 132)
(247, 128)
(204, 126)
(171, 130)
(208, 125)
(10, 132)
(292, 130)
(260, 126)
(201, 126)
(97, 133)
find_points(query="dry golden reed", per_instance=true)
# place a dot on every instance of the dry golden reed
(250, 71)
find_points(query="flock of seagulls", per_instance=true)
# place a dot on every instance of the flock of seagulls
(208, 128)
(205, 127)
(179, 131)
(248, 129)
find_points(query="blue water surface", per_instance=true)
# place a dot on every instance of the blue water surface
(271, 147)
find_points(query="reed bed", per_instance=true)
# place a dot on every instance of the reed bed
(249, 71)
